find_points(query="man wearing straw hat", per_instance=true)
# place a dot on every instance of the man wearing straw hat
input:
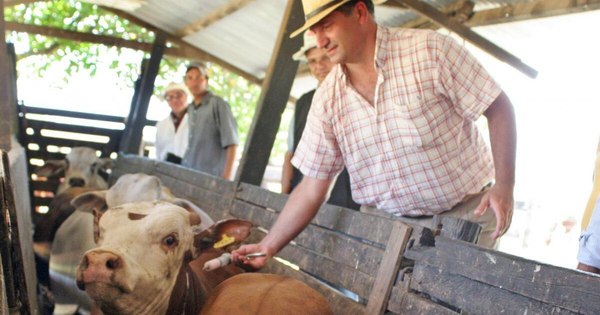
(172, 132)
(398, 110)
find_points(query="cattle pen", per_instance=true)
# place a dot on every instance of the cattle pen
(362, 263)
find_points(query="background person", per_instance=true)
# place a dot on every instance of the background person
(399, 112)
(319, 66)
(589, 241)
(213, 130)
(172, 132)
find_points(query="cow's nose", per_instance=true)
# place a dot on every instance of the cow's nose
(76, 182)
(99, 266)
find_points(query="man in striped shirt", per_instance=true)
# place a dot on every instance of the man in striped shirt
(398, 110)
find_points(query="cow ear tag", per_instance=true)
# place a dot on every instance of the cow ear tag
(225, 240)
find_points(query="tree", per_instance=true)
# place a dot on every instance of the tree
(37, 54)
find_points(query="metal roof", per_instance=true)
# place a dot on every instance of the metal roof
(241, 34)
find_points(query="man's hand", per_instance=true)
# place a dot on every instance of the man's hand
(500, 199)
(238, 256)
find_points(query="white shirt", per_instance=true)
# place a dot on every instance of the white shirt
(169, 140)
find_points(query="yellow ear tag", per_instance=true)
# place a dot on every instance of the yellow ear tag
(225, 240)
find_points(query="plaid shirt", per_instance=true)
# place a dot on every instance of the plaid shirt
(416, 151)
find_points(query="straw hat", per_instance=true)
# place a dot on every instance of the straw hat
(316, 10)
(173, 87)
(310, 42)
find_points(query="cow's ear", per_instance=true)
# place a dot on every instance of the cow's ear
(90, 201)
(225, 235)
(51, 168)
(107, 163)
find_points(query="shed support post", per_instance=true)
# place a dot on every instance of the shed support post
(132, 135)
(273, 99)
(5, 100)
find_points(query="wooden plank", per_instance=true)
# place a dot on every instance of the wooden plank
(466, 33)
(273, 98)
(212, 194)
(565, 288)
(12, 230)
(331, 244)
(40, 124)
(179, 52)
(42, 201)
(404, 302)
(5, 99)
(44, 185)
(134, 164)
(61, 142)
(474, 297)
(389, 268)
(72, 114)
(340, 304)
(333, 272)
(44, 155)
(368, 227)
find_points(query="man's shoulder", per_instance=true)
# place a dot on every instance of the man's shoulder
(307, 96)
(215, 100)
(414, 35)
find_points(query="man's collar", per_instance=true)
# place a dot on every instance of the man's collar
(381, 46)
(205, 99)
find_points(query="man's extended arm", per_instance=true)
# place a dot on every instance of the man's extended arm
(301, 207)
(503, 139)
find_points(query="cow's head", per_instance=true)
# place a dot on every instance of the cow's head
(131, 188)
(141, 249)
(81, 168)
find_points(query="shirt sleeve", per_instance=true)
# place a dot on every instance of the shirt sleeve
(468, 85)
(226, 123)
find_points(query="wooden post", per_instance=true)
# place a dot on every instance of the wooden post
(273, 99)
(10, 245)
(132, 135)
(388, 269)
(4, 87)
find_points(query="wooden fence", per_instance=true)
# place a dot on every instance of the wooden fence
(49, 134)
(388, 266)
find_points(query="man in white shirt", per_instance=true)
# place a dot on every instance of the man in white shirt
(172, 132)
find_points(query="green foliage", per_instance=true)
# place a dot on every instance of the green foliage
(70, 55)
(37, 55)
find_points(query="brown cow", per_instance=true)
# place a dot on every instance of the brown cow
(150, 258)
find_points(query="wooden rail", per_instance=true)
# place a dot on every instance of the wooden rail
(47, 133)
(366, 264)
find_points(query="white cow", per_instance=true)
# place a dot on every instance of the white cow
(81, 167)
(66, 253)
(149, 261)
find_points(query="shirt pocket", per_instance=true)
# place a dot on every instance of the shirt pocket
(410, 124)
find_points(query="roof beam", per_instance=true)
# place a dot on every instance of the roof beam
(520, 11)
(201, 54)
(92, 38)
(466, 33)
(454, 10)
(218, 14)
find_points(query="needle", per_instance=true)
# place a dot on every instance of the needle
(254, 255)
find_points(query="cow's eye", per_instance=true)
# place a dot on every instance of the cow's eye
(170, 241)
